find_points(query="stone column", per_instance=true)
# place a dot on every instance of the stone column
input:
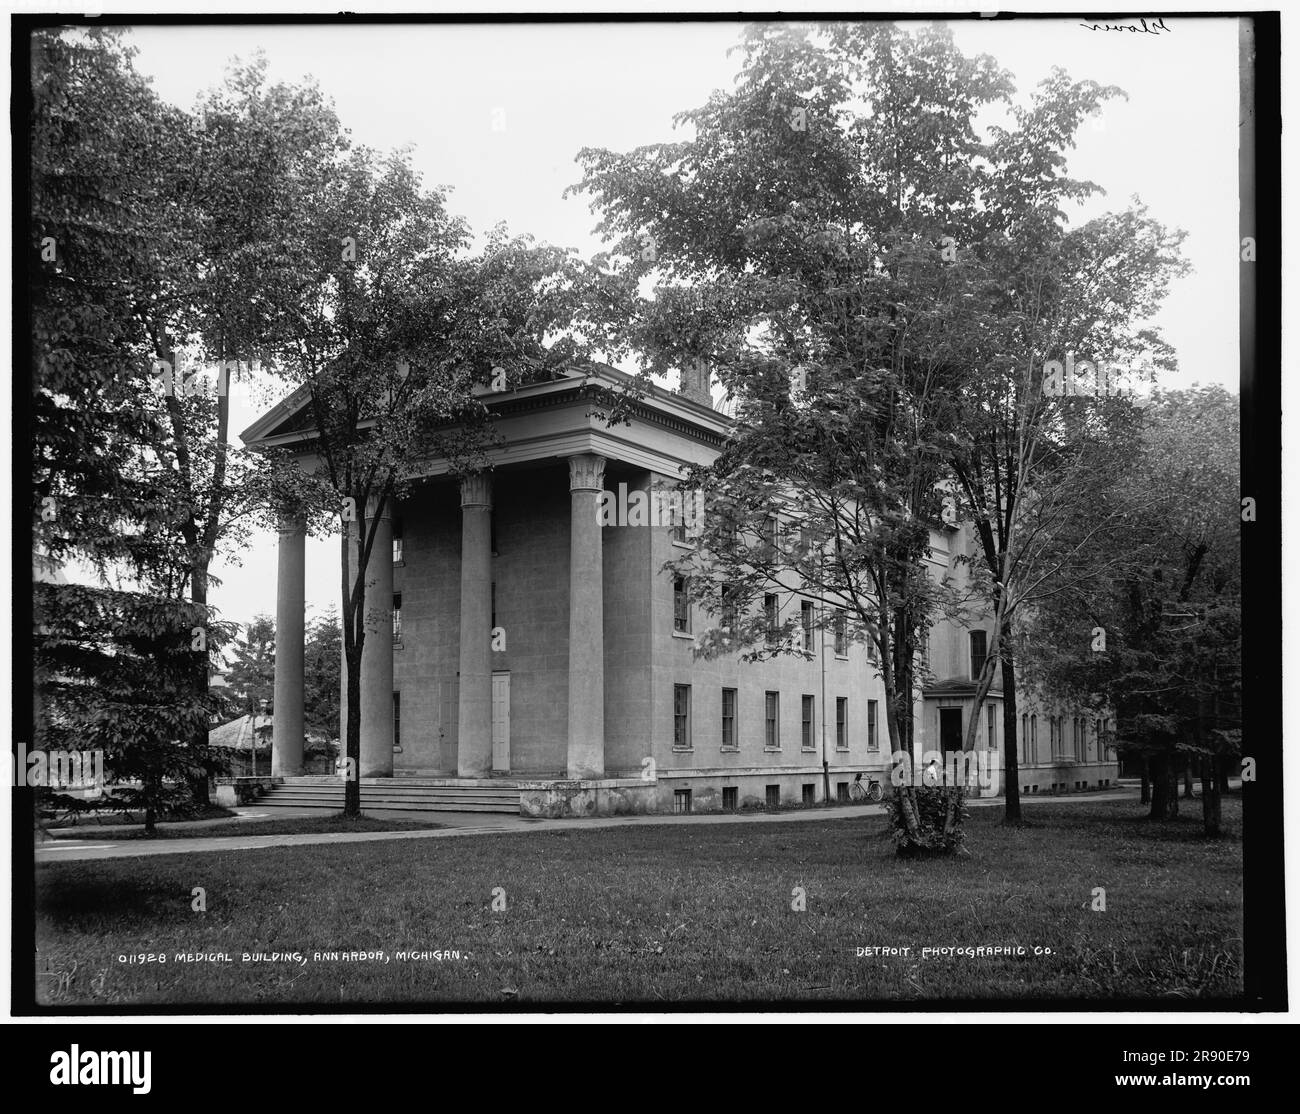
(290, 603)
(586, 619)
(377, 653)
(474, 728)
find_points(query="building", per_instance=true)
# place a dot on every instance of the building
(532, 645)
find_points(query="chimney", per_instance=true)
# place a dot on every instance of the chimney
(694, 383)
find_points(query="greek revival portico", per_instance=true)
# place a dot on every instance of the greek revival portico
(548, 433)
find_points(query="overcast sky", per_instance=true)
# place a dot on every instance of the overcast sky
(498, 112)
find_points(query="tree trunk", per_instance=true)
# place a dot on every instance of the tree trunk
(1211, 813)
(1223, 768)
(1171, 802)
(1187, 780)
(1160, 786)
(1146, 782)
(199, 789)
(1010, 748)
(150, 818)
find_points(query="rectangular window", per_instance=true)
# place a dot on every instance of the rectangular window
(728, 607)
(841, 790)
(872, 742)
(809, 794)
(841, 635)
(806, 619)
(773, 796)
(397, 541)
(681, 800)
(397, 721)
(806, 737)
(770, 532)
(681, 606)
(1033, 737)
(397, 618)
(772, 720)
(730, 798)
(681, 717)
(993, 726)
(728, 717)
(770, 612)
(1024, 736)
(842, 722)
(978, 653)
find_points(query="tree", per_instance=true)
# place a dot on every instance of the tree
(321, 671)
(100, 492)
(1169, 660)
(252, 667)
(794, 244)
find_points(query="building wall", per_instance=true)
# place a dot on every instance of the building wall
(645, 659)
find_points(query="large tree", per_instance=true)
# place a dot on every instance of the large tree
(102, 492)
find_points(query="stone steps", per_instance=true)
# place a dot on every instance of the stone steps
(388, 794)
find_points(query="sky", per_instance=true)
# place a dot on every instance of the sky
(498, 113)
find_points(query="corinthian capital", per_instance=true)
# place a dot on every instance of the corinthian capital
(476, 490)
(586, 472)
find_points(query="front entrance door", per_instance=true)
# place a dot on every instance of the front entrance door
(950, 729)
(500, 722)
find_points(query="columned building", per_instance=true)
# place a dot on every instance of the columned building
(515, 638)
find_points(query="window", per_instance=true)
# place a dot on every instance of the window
(728, 607)
(728, 717)
(806, 737)
(771, 535)
(842, 722)
(730, 798)
(841, 635)
(806, 618)
(681, 606)
(770, 611)
(841, 790)
(681, 717)
(1024, 736)
(773, 796)
(772, 720)
(678, 521)
(978, 653)
(397, 618)
(1033, 737)
(993, 726)
(681, 800)
(397, 541)
(809, 793)
(1080, 739)
(397, 721)
(873, 651)
(872, 742)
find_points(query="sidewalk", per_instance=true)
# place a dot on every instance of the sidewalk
(466, 824)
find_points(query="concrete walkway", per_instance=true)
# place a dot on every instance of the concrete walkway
(99, 846)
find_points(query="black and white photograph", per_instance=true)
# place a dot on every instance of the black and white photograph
(724, 512)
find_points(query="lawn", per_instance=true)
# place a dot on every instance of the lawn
(663, 914)
(289, 825)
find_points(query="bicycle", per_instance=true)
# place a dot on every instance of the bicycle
(872, 791)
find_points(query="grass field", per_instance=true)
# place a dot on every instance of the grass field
(662, 914)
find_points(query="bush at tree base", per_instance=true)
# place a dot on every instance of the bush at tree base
(928, 819)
